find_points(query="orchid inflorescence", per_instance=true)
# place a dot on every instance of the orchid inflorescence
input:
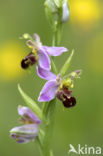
(37, 122)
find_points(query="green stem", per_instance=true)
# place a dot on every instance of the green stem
(57, 35)
(55, 42)
(49, 108)
(54, 69)
(39, 146)
(49, 128)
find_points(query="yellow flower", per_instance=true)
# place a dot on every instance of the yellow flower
(11, 54)
(85, 13)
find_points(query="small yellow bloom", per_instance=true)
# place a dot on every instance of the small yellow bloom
(11, 55)
(84, 12)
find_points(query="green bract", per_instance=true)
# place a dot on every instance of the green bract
(32, 104)
(66, 66)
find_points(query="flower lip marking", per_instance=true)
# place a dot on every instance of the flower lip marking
(31, 59)
(65, 96)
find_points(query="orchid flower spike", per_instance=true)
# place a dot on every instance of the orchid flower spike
(40, 53)
(57, 87)
(29, 131)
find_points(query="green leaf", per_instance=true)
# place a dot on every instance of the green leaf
(31, 103)
(66, 66)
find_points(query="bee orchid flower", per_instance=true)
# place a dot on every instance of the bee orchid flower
(40, 54)
(57, 87)
(28, 131)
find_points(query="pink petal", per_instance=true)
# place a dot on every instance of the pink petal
(55, 51)
(25, 133)
(44, 74)
(48, 92)
(25, 111)
(44, 60)
(37, 38)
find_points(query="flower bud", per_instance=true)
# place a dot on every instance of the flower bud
(28, 116)
(51, 11)
(65, 12)
(25, 133)
(57, 11)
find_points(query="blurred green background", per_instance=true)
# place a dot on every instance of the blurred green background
(82, 124)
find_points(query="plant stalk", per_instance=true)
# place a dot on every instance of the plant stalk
(49, 107)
